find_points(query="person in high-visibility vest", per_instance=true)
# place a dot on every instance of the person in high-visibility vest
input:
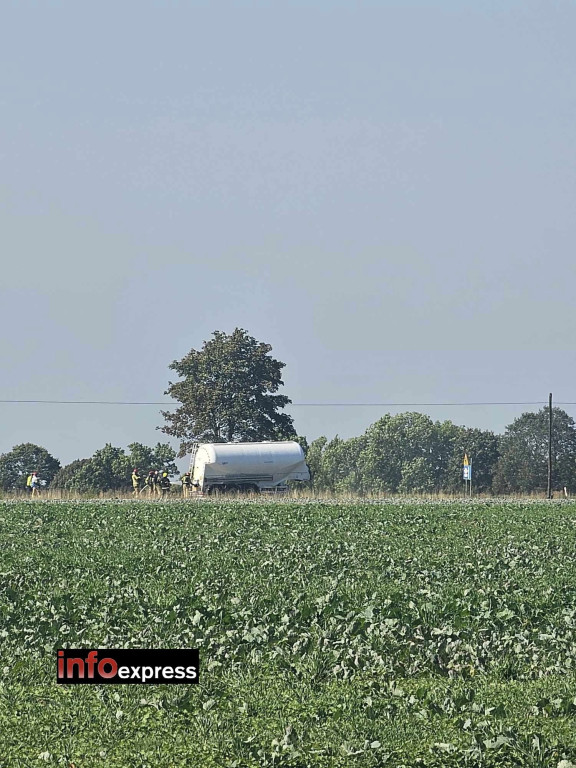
(186, 481)
(136, 482)
(165, 484)
(29, 483)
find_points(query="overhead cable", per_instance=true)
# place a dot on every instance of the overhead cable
(310, 405)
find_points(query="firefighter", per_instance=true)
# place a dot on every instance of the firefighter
(136, 482)
(150, 483)
(165, 484)
(186, 481)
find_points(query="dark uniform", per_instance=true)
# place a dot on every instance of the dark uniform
(150, 482)
(165, 484)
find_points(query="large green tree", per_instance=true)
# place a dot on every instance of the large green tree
(407, 452)
(227, 392)
(67, 477)
(21, 461)
(404, 453)
(334, 464)
(523, 463)
(160, 457)
(108, 470)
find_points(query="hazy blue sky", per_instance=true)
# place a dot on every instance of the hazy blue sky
(384, 191)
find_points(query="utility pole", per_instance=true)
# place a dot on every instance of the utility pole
(549, 490)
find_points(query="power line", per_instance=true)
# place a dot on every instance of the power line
(404, 405)
(309, 405)
(87, 402)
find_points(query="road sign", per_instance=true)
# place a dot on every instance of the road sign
(467, 472)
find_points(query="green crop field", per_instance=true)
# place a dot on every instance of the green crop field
(330, 634)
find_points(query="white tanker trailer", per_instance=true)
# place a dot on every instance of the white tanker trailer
(247, 466)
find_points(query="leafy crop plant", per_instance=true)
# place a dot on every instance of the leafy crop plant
(330, 634)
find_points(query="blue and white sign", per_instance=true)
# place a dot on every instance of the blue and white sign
(467, 472)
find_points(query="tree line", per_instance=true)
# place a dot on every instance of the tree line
(405, 453)
(227, 391)
(109, 469)
(410, 453)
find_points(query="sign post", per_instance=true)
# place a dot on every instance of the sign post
(467, 474)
